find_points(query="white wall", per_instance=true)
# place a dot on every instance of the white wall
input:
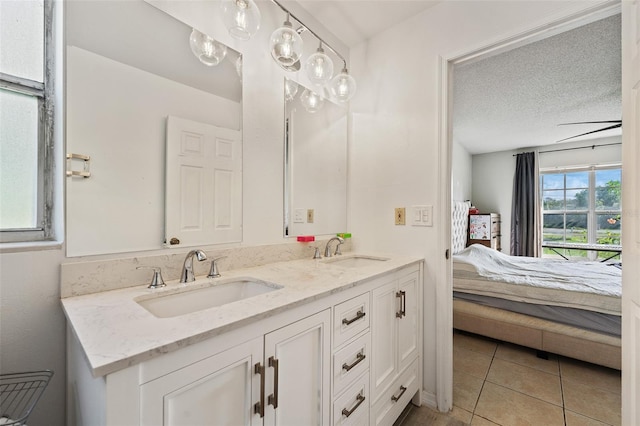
(493, 174)
(395, 128)
(461, 173)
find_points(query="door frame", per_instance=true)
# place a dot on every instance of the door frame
(444, 301)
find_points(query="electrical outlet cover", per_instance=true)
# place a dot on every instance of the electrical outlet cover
(309, 215)
(400, 216)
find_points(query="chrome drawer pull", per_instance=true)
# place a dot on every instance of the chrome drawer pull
(402, 391)
(360, 399)
(359, 358)
(359, 315)
(258, 407)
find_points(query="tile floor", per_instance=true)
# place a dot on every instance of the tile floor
(497, 383)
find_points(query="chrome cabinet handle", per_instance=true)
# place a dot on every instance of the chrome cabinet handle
(403, 303)
(359, 315)
(258, 407)
(359, 358)
(360, 399)
(273, 398)
(402, 391)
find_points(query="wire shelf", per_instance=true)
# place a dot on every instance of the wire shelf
(19, 393)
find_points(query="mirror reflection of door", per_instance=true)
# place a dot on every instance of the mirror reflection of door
(129, 65)
(203, 183)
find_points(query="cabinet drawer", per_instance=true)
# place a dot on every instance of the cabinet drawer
(393, 400)
(352, 407)
(350, 362)
(350, 318)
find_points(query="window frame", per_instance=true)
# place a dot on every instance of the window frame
(44, 93)
(591, 210)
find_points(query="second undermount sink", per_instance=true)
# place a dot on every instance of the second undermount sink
(188, 301)
(355, 261)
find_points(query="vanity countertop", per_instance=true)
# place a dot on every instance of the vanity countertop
(116, 332)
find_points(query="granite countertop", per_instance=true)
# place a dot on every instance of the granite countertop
(116, 332)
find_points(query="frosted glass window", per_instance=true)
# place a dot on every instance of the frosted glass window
(22, 38)
(18, 160)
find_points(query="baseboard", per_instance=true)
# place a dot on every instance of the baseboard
(429, 399)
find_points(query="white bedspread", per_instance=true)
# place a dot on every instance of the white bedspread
(585, 285)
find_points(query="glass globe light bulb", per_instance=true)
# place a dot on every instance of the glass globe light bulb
(241, 17)
(319, 67)
(311, 101)
(343, 86)
(209, 51)
(286, 45)
(290, 89)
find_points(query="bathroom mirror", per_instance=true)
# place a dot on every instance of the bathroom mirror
(129, 67)
(315, 164)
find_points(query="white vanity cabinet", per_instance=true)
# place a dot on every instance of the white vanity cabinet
(281, 379)
(395, 344)
(349, 357)
(220, 389)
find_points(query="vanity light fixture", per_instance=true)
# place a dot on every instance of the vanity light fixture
(241, 17)
(343, 86)
(209, 51)
(286, 45)
(311, 101)
(319, 67)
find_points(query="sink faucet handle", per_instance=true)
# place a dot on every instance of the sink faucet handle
(156, 281)
(213, 272)
(316, 254)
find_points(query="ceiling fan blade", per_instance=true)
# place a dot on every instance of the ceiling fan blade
(591, 122)
(615, 126)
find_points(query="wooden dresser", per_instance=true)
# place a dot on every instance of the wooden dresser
(485, 229)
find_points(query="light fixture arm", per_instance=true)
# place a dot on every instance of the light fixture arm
(327, 45)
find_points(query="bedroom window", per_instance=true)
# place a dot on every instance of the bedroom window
(25, 120)
(581, 206)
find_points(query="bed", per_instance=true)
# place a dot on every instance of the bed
(555, 306)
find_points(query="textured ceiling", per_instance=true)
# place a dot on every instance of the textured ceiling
(518, 98)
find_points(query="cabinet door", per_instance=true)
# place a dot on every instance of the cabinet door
(298, 360)
(221, 390)
(408, 322)
(384, 340)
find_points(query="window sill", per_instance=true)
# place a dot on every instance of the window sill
(30, 246)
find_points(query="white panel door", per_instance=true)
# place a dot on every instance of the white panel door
(203, 183)
(219, 390)
(631, 212)
(298, 361)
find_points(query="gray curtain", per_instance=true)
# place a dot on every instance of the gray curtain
(523, 207)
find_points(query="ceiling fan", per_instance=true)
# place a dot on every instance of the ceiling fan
(618, 123)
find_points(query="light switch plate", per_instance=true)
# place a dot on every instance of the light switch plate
(298, 215)
(309, 215)
(422, 215)
(400, 216)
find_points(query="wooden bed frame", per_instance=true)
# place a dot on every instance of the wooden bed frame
(538, 334)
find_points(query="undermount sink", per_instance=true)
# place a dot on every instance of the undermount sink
(356, 261)
(189, 301)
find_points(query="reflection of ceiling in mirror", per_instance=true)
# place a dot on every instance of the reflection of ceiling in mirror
(161, 45)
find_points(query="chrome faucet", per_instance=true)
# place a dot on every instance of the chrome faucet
(327, 248)
(187, 274)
